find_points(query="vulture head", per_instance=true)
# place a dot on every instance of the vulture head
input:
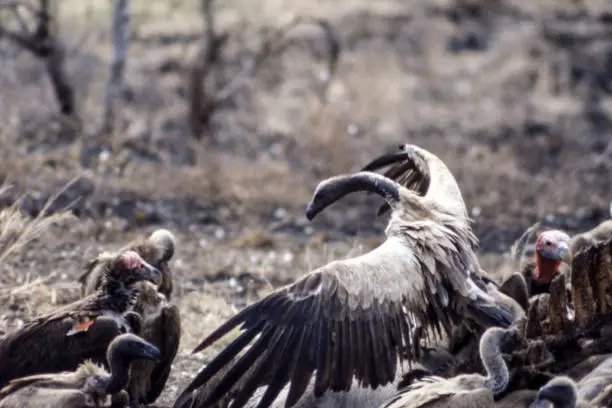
(129, 268)
(552, 248)
(120, 353)
(165, 242)
(331, 190)
(560, 391)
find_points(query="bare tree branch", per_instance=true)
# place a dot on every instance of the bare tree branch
(205, 96)
(203, 83)
(121, 42)
(44, 45)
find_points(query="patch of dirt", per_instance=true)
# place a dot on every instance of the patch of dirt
(516, 100)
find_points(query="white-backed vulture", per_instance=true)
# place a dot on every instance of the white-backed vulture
(412, 169)
(161, 320)
(590, 392)
(81, 330)
(465, 390)
(355, 318)
(89, 386)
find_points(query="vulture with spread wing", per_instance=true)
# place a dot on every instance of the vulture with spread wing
(161, 319)
(81, 330)
(355, 318)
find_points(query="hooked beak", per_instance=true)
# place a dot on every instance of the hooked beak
(311, 211)
(152, 274)
(564, 253)
(150, 352)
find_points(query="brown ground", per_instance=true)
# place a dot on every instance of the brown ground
(514, 97)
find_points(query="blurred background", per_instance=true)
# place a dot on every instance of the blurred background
(217, 119)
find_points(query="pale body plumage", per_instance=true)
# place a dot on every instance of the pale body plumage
(354, 318)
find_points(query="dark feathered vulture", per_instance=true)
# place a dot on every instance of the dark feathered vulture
(157, 249)
(162, 327)
(81, 330)
(161, 320)
(356, 317)
(89, 386)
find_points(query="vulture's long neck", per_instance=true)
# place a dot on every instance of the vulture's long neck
(119, 372)
(497, 370)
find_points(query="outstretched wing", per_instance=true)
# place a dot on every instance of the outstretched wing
(350, 318)
(410, 170)
(423, 172)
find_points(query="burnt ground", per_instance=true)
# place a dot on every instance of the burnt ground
(514, 97)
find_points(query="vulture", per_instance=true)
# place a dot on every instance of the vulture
(157, 250)
(552, 250)
(161, 327)
(161, 320)
(81, 330)
(465, 390)
(354, 318)
(89, 386)
(562, 392)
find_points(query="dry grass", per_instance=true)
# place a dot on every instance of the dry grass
(17, 231)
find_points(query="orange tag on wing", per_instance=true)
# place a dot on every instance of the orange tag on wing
(80, 326)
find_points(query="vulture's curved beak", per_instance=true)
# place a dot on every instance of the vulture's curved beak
(151, 274)
(149, 351)
(564, 253)
(311, 210)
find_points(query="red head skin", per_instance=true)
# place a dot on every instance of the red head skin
(552, 248)
(131, 260)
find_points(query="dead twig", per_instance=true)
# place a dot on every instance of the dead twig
(45, 45)
(206, 96)
(121, 42)
(16, 231)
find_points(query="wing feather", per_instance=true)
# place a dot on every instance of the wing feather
(344, 320)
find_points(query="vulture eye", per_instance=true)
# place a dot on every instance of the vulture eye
(548, 243)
